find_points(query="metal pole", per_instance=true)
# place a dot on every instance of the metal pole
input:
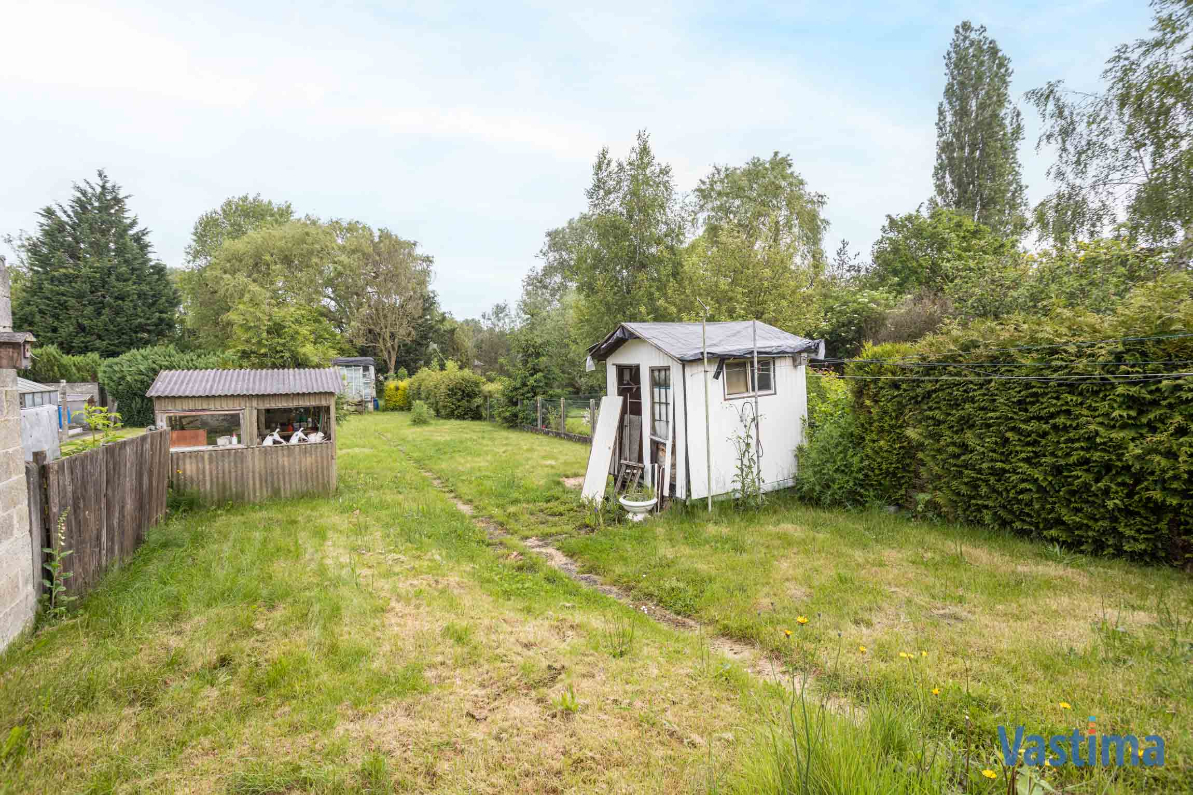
(707, 421)
(757, 429)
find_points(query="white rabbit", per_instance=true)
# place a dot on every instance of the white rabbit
(273, 438)
(298, 437)
(317, 436)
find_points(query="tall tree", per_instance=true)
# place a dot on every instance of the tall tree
(767, 204)
(93, 284)
(393, 278)
(1124, 155)
(630, 259)
(978, 131)
(235, 218)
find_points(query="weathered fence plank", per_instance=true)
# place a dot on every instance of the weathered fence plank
(110, 496)
(255, 473)
(38, 538)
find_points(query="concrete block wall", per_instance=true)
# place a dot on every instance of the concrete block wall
(18, 601)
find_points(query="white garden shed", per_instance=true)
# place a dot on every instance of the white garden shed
(659, 368)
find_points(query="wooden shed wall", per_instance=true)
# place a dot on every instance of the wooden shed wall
(248, 474)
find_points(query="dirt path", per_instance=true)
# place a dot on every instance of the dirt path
(750, 657)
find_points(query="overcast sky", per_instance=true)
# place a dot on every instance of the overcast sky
(472, 129)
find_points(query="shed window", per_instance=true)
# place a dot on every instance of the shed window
(660, 401)
(740, 377)
(290, 420)
(204, 429)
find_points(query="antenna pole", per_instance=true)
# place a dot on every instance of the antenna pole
(707, 425)
(757, 427)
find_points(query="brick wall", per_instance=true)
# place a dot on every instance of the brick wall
(17, 600)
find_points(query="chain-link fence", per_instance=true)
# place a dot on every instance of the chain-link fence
(569, 415)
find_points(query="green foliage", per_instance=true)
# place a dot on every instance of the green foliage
(55, 600)
(830, 468)
(233, 219)
(846, 312)
(102, 423)
(280, 335)
(51, 365)
(459, 395)
(767, 204)
(628, 255)
(1098, 466)
(402, 375)
(424, 385)
(888, 451)
(397, 395)
(93, 285)
(127, 378)
(1096, 275)
(529, 379)
(1122, 154)
(421, 413)
(978, 132)
(927, 251)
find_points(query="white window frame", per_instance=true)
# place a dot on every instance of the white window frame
(749, 365)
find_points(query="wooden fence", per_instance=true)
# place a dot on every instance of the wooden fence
(248, 474)
(110, 497)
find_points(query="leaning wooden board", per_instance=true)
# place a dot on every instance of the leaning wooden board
(603, 438)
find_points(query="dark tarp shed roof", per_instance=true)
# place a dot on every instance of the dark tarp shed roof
(725, 340)
(213, 383)
(355, 361)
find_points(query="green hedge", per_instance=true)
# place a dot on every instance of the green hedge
(128, 377)
(51, 365)
(1105, 467)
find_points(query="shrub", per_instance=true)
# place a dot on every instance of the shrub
(128, 377)
(423, 385)
(395, 396)
(1097, 465)
(421, 413)
(459, 395)
(51, 365)
(402, 375)
(830, 459)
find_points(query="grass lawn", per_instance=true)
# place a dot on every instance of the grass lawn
(1007, 631)
(370, 642)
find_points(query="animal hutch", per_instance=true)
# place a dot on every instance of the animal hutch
(358, 377)
(248, 435)
(659, 372)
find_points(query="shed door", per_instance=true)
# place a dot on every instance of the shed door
(629, 387)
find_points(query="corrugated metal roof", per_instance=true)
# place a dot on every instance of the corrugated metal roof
(213, 383)
(683, 341)
(25, 385)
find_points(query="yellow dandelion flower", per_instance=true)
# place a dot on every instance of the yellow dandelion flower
(923, 653)
(1065, 705)
(179, 471)
(988, 773)
(787, 632)
(802, 619)
(936, 691)
(862, 649)
(1047, 763)
(905, 655)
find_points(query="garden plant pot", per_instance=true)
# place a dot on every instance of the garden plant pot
(638, 510)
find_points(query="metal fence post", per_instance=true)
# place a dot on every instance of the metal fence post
(592, 417)
(538, 404)
(563, 415)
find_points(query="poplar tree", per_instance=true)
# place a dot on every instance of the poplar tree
(94, 285)
(978, 131)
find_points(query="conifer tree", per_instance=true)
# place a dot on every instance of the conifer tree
(978, 132)
(93, 284)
